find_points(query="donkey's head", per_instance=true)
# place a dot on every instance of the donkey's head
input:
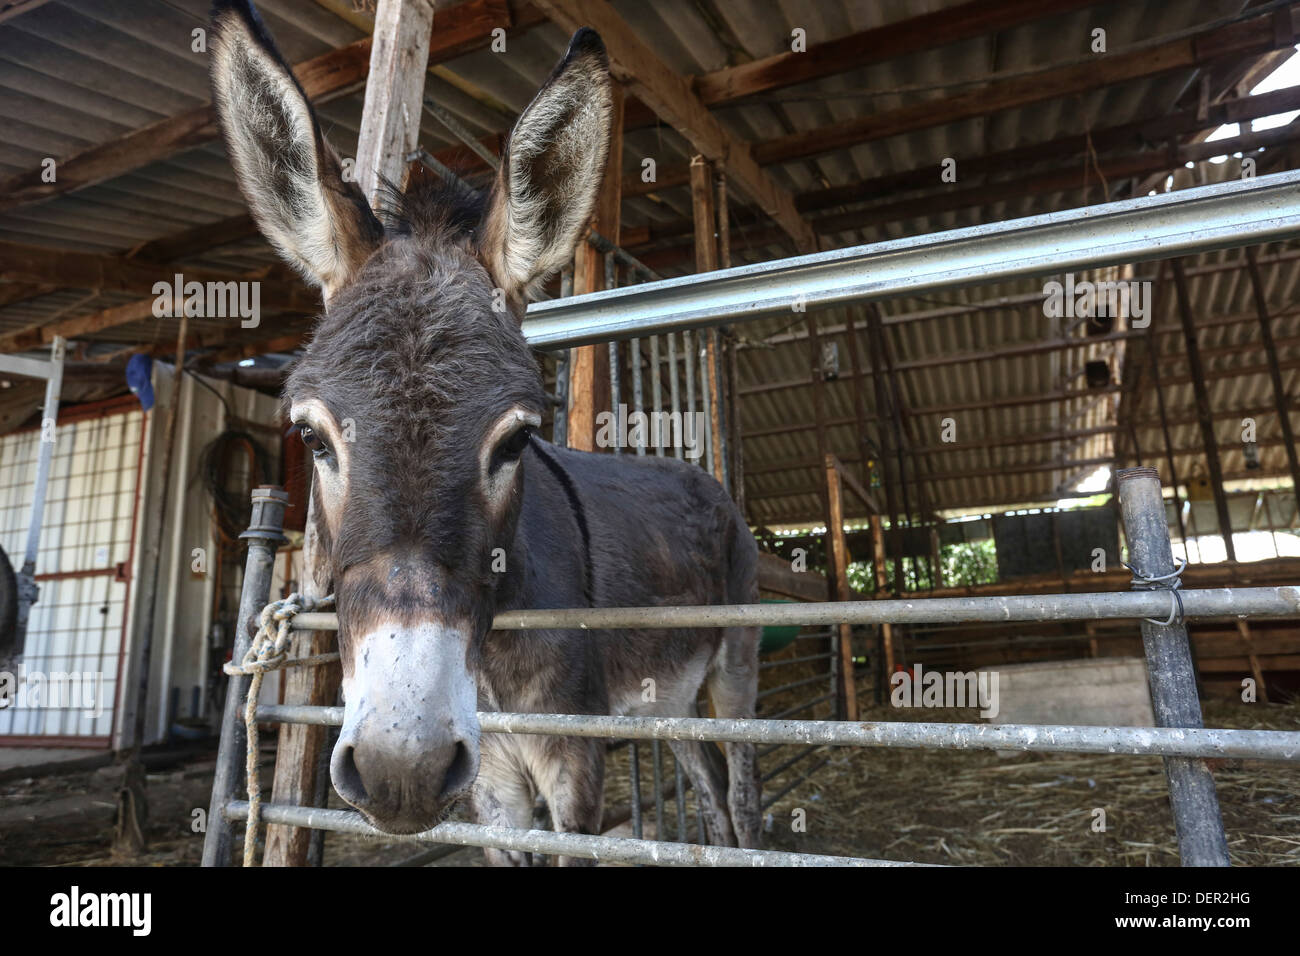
(417, 397)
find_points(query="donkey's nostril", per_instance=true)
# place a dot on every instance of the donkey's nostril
(460, 774)
(346, 777)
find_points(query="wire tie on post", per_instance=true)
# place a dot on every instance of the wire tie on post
(1167, 582)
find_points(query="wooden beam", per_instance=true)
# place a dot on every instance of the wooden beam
(1253, 37)
(1203, 415)
(459, 30)
(887, 42)
(884, 414)
(671, 97)
(390, 119)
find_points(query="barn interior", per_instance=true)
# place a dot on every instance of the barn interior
(959, 443)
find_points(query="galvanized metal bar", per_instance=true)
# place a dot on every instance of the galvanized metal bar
(657, 756)
(264, 536)
(635, 788)
(656, 391)
(1184, 222)
(603, 848)
(1107, 605)
(786, 662)
(1047, 738)
(674, 396)
(816, 678)
(773, 798)
(706, 403)
(680, 795)
(28, 592)
(690, 435)
(638, 395)
(1171, 674)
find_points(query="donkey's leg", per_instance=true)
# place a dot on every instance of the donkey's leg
(733, 688)
(703, 764)
(570, 773)
(502, 797)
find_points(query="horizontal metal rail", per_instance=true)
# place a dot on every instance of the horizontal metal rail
(1185, 222)
(1046, 738)
(603, 848)
(1107, 605)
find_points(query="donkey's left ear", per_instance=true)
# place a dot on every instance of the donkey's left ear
(551, 172)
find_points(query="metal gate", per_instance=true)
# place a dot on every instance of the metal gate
(1150, 227)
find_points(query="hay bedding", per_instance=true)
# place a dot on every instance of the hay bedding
(979, 808)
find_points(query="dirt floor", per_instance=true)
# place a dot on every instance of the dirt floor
(967, 808)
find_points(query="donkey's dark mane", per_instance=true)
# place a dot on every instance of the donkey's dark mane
(432, 210)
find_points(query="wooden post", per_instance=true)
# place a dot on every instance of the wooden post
(298, 764)
(883, 416)
(390, 120)
(1243, 628)
(390, 128)
(705, 218)
(1203, 415)
(589, 387)
(1275, 373)
(886, 629)
(839, 565)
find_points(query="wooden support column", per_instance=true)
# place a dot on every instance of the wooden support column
(1275, 373)
(589, 389)
(819, 419)
(1154, 360)
(839, 565)
(390, 128)
(301, 775)
(704, 214)
(883, 416)
(1203, 414)
(878, 559)
(390, 120)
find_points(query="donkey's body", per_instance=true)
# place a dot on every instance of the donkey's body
(420, 400)
(661, 532)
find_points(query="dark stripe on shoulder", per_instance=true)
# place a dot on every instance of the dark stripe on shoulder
(579, 513)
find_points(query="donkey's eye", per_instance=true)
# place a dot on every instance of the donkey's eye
(313, 440)
(511, 448)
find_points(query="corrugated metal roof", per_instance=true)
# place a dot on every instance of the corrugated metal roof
(74, 73)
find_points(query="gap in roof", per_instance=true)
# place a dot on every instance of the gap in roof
(1285, 76)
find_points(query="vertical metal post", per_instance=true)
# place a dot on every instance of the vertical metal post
(264, 536)
(636, 789)
(657, 393)
(690, 434)
(680, 793)
(638, 390)
(1170, 673)
(27, 590)
(674, 396)
(657, 752)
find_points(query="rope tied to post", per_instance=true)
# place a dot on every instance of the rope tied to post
(269, 651)
(1170, 582)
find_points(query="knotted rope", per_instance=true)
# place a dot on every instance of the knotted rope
(1168, 582)
(269, 651)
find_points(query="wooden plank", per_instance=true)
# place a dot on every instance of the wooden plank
(670, 96)
(840, 568)
(777, 577)
(704, 216)
(892, 40)
(390, 119)
(1204, 418)
(459, 30)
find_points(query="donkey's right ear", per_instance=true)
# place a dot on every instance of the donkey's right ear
(292, 179)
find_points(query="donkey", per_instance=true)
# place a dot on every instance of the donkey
(436, 504)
